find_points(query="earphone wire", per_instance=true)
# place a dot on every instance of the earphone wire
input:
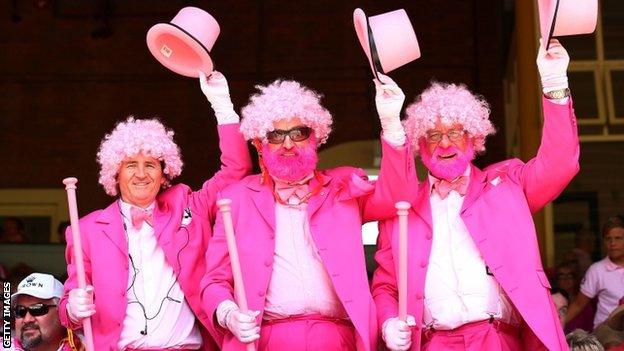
(136, 271)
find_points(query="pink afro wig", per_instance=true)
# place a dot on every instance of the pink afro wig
(452, 104)
(133, 136)
(284, 99)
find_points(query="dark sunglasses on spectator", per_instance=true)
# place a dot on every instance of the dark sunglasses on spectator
(296, 134)
(35, 310)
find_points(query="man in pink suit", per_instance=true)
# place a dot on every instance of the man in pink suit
(298, 229)
(475, 278)
(144, 254)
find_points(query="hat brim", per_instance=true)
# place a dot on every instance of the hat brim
(548, 18)
(177, 50)
(360, 22)
(33, 294)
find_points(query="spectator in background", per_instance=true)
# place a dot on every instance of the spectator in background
(13, 231)
(580, 340)
(605, 278)
(568, 281)
(561, 299)
(37, 324)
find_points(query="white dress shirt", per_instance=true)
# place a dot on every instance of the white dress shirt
(458, 289)
(152, 283)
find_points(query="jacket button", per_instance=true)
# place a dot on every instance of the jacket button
(429, 236)
(423, 264)
(418, 296)
(267, 263)
(260, 293)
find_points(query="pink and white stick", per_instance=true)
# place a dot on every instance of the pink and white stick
(402, 211)
(70, 187)
(239, 287)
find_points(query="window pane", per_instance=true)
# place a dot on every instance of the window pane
(613, 28)
(584, 93)
(617, 84)
(580, 47)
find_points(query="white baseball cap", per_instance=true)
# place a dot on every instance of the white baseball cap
(41, 285)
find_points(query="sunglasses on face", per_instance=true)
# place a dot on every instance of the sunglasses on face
(296, 134)
(35, 310)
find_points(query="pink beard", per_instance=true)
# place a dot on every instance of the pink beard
(290, 168)
(448, 170)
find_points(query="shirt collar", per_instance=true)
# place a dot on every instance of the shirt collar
(610, 265)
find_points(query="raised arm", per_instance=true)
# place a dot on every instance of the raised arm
(397, 176)
(235, 159)
(549, 172)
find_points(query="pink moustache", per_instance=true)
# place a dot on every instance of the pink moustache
(292, 167)
(447, 169)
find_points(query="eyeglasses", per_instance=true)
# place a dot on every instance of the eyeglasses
(453, 135)
(296, 134)
(35, 310)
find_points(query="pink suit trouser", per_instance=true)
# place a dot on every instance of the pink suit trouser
(307, 333)
(477, 336)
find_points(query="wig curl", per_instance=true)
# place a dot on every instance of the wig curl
(131, 137)
(284, 99)
(452, 104)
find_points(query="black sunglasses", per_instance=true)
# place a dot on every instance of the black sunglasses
(296, 134)
(35, 310)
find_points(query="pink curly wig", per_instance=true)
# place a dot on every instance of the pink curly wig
(452, 104)
(284, 99)
(147, 136)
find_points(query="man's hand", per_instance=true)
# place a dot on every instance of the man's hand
(398, 334)
(243, 325)
(553, 66)
(389, 100)
(216, 89)
(80, 304)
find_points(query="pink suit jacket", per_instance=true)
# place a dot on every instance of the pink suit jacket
(105, 247)
(335, 215)
(497, 211)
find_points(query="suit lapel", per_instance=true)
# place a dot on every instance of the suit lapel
(317, 200)
(263, 200)
(113, 226)
(475, 188)
(421, 204)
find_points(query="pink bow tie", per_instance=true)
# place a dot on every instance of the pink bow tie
(291, 193)
(444, 187)
(139, 215)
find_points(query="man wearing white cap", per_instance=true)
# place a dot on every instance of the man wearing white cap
(37, 324)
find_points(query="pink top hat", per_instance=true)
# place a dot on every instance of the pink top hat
(388, 39)
(566, 17)
(184, 44)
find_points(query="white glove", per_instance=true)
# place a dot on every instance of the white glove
(553, 66)
(389, 100)
(242, 325)
(80, 304)
(217, 92)
(397, 333)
